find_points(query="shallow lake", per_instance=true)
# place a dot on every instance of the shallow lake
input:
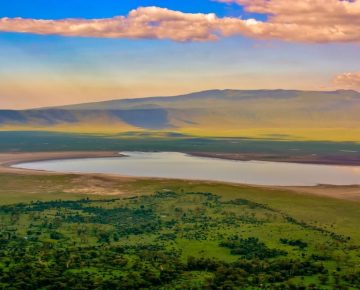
(183, 166)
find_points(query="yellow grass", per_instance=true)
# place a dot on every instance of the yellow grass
(296, 134)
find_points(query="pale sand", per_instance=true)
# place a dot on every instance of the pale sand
(9, 159)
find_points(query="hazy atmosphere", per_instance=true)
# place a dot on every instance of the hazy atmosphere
(66, 52)
(173, 144)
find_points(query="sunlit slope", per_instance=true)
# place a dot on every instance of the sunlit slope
(262, 113)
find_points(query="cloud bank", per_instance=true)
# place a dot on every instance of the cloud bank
(306, 21)
(142, 23)
(350, 80)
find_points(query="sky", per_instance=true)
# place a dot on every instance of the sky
(56, 52)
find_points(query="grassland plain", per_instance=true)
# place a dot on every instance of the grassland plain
(96, 232)
(250, 149)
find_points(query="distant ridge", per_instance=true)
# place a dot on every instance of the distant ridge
(217, 110)
(208, 94)
(217, 93)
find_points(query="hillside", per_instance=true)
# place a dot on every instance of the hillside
(267, 113)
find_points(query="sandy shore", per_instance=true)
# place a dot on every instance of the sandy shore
(9, 159)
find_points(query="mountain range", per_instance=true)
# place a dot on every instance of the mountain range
(213, 112)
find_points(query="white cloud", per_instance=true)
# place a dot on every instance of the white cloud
(309, 21)
(349, 80)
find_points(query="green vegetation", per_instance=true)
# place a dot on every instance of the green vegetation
(155, 141)
(175, 235)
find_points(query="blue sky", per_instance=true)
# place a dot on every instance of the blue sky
(56, 9)
(47, 70)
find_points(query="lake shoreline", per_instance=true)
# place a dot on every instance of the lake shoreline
(300, 159)
(7, 160)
